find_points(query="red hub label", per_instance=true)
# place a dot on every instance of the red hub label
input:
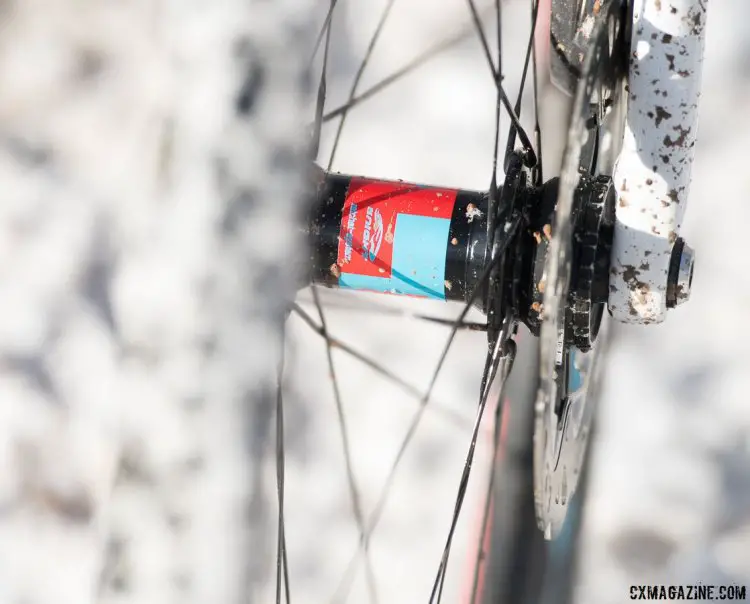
(393, 237)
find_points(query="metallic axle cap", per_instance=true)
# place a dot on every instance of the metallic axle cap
(680, 274)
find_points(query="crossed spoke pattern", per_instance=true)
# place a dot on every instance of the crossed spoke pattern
(501, 348)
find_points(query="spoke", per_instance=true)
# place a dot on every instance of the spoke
(454, 417)
(493, 201)
(530, 51)
(497, 78)
(492, 362)
(502, 355)
(353, 490)
(531, 155)
(385, 492)
(281, 558)
(322, 86)
(539, 173)
(358, 77)
(499, 31)
(464, 325)
(326, 27)
(382, 309)
(481, 561)
(418, 61)
(482, 38)
(483, 547)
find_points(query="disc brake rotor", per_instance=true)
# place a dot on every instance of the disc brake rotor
(564, 409)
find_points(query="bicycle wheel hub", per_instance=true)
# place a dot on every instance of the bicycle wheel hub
(422, 241)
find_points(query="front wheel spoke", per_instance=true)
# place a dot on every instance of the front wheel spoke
(482, 37)
(530, 52)
(322, 87)
(344, 432)
(358, 76)
(483, 548)
(497, 78)
(539, 172)
(282, 565)
(501, 355)
(418, 61)
(374, 518)
(386, 310)
(323, 31)
(449, 414)
(530, 159)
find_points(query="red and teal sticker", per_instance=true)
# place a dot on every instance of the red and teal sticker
(394, 238)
